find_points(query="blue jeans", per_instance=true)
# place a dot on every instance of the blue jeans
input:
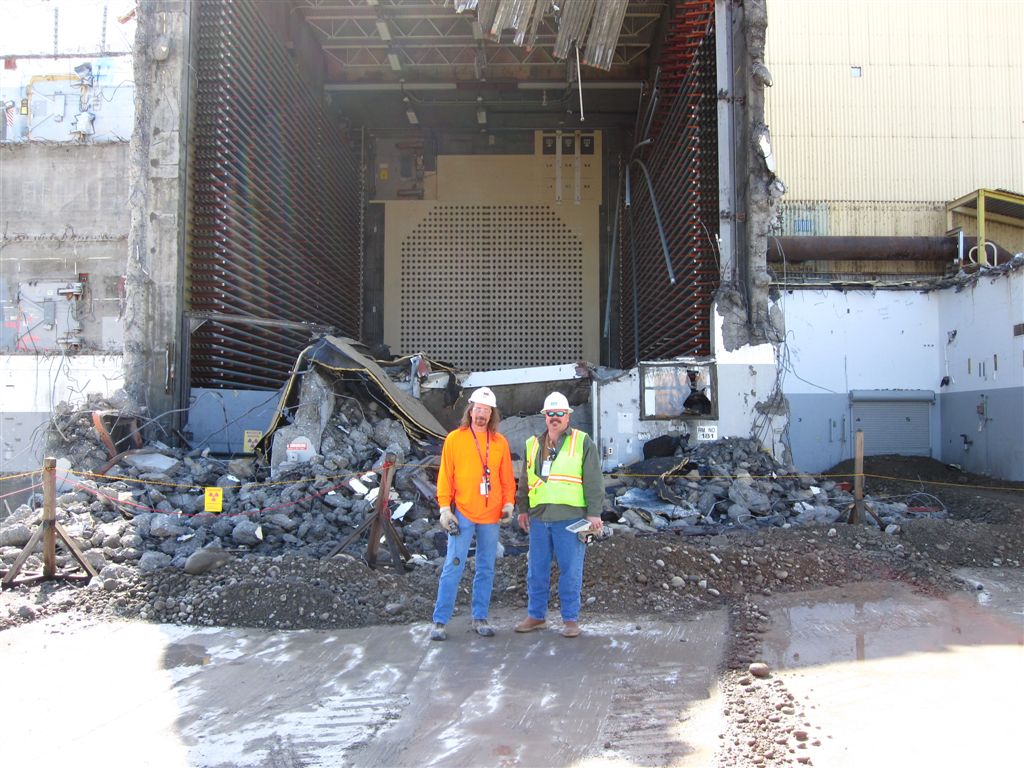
(455, 562)
(569, 552)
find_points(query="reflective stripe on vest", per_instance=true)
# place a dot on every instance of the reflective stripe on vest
(564, 484)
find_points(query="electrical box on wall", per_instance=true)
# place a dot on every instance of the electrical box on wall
(48, 315)
(686, 388)
(572, 164)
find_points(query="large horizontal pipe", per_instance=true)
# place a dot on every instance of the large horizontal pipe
(794, 249)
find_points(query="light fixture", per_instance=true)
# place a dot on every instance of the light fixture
(383, 30)
(371, 2)
(481, 113)
(410, 113)
(394, 62)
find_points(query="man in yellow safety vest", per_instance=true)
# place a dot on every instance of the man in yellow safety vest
(560, 484)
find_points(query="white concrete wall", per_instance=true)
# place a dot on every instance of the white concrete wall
(840, 341)
(32, 385)
(746, 378)
(983, 405)
(904, 340)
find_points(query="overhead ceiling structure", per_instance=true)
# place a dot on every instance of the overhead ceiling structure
(484, 64)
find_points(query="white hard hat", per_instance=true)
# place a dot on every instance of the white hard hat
(556, 402)
(484, 396)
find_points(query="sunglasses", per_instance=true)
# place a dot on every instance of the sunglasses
(553, 414)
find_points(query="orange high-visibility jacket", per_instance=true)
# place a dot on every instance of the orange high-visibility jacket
(461, 471)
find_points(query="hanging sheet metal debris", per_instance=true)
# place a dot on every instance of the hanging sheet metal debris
(593, 26)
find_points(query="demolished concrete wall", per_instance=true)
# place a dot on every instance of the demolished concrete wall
(980, 339)
(63, 237)
(157, 167)
(956, 343)
(743, 298)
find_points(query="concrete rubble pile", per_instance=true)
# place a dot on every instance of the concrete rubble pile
(144, 507)
(732, 483)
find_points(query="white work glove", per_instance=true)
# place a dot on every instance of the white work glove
(506, 513)
(448, 519)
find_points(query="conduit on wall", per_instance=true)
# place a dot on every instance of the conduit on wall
(659, 319)
(275, 207)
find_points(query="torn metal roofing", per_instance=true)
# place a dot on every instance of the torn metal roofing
(343, 356)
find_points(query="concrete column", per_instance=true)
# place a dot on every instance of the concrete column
(157, 194)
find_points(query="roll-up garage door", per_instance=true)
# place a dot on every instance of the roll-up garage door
(894, 422)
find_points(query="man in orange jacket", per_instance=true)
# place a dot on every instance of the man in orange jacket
(475, 489)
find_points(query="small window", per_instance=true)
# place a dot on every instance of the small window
(678, 390)
(856, 72)
(968, 366)
(995, 363)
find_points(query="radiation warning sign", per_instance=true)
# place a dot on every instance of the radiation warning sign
(214, 498)
(250, 439)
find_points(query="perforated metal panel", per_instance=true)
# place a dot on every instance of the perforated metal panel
(493, 286)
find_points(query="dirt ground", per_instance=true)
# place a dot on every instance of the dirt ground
(967, 521)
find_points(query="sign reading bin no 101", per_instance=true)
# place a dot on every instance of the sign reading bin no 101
(707, 431)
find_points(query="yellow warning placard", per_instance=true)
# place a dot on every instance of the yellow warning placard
(214, 499)
(249, 440)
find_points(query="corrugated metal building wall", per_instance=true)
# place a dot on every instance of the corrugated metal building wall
(883, 110)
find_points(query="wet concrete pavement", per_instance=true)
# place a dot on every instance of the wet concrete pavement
(622, 693)
(885, 676)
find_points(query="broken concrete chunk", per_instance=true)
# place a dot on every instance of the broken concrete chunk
(152, 462)
(247, 532)
(16, 535)
(154, 561)
(166, 526)
(742, 493)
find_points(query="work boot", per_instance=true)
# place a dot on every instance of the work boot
(438, 632)
(529, 624)
(570, 629)
(482, 628)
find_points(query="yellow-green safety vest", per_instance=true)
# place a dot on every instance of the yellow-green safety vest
(565, 482)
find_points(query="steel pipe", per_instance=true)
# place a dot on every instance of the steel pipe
(858, 248)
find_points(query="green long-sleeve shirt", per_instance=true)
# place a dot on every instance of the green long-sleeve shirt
(593, 485)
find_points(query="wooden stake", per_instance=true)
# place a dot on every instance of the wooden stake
(49, 517)
(857, 513)
(49, 529)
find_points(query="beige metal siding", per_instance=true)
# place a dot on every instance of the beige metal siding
(831, 217)
(936, 113)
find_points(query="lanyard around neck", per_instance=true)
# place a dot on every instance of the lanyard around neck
(484, 459)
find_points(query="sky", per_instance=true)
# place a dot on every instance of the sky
(28, 26)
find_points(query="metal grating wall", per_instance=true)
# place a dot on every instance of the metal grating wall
(659, 319)
(493, 286)
(275, 207)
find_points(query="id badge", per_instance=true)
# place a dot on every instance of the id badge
(545, 468)
(485, 488)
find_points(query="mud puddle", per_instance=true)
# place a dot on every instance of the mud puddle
(886, 676)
